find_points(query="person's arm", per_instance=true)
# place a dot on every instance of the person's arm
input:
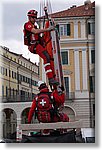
(31, 112)
(37, 31)
(60, 99)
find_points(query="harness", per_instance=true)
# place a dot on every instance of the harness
(27, 38)
(29, 42)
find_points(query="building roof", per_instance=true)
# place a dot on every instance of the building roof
(88, 9)
(20, 55)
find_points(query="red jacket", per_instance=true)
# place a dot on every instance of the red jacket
(59, 100)
(27, 31)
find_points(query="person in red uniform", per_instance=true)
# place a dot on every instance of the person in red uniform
(46, 105)
(35, 45)
(59, 99)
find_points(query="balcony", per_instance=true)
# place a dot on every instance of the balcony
(13, 99)
(22, 98)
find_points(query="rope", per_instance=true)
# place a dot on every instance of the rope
(44, 3)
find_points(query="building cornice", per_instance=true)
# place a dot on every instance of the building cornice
(70, 41)
(73, 18)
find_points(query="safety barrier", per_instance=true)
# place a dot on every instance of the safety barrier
(41, 126)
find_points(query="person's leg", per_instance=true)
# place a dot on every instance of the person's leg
(41, 51)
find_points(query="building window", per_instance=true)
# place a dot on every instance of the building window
(23, 78)
(12, 74)
(64, 29)
(26, 79)
(9, 73)
(10, 91)
(57, 27)
(2, 90)
(6, 91)
(6, 72)
(92, 84)
(2, 70)
(13, 92)
(66, 80)
(91, 28)
(93, 56)
(15, 59)
(20, 77)
(15, 75)
(93, 109)
(64, 58)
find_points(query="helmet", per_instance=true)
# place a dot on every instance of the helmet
(32, 13)
(41, 85)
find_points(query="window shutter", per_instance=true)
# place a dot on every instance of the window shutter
(91, 84)
(2, 90)
(89, 29)
(64, 58)
(93, 57)
(57, 26)
(68, 29)
(66, 80)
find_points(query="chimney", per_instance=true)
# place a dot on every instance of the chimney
(73, 6)
(87, 2)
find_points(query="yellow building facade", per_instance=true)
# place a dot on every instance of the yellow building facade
(18, 76)
(76, 28)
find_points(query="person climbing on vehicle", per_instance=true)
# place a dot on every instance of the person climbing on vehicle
(45, 105)
(36, 45)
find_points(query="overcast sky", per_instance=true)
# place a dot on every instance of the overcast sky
(14, 16)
